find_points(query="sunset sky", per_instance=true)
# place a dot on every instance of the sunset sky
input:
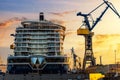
(107, 32)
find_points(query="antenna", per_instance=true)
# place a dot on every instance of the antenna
(100, 60)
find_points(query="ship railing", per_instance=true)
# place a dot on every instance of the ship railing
(36, 29)
(54, 50)
(39, 33)
(55, 41)
(53, 46)
(21, 41)
(21, 51)
(22, 36)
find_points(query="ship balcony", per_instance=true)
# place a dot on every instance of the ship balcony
(38, 33)
(37, 47)
(36, 29)
(41, 37)
(21, 51)
(33, 51)
(38, 37)
(22, 37)
(31, 42)
(44, 37)
(54, 41)
(21, 41)
(23, 46)
(38, 51)
(52, 46)
(49, 37)
(53, 50)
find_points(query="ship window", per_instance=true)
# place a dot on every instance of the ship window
(53, 59)
(51, 44)
(9, 67)
(33, 60)
(19, 60)
(41, 60)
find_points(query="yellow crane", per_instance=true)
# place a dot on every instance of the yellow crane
(87, 31)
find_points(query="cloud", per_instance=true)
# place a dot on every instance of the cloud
(70, 32)
(1, 61)
(103, 45)
(4, 52)
(62, 14)
(11, 21)
(6, 28)
(57, 21)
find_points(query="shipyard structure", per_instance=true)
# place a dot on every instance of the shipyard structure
(38, 48)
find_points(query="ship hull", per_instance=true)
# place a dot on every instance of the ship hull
(44, 77)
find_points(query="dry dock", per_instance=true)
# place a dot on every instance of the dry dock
(44, 77)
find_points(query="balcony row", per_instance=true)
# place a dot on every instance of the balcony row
(36, 51)
(39, 33)
(40, 37)
(37, 46)
(35, 42)
(32, 29)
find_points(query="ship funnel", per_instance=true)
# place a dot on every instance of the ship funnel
(41, 16)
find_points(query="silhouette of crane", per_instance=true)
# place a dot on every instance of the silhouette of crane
(87, 31)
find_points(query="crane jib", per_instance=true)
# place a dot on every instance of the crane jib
(86, 16)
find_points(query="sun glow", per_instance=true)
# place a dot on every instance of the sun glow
(107, 31)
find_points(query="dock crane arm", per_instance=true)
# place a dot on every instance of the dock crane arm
(98, 19)
(86, 21)
(110, 5)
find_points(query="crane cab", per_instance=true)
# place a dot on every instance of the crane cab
(83, 31)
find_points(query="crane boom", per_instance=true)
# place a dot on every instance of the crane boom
(98, 19)
(112, 8)
(86, 16)
(87, 32)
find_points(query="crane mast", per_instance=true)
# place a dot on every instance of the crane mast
(87, 32)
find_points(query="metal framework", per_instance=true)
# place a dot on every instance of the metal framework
(87, 32)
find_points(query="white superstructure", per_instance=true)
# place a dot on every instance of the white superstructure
(39, 37)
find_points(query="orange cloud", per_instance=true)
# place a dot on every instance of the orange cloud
(6, 28)
(9, 22)
(69, 32)
(62, 13)
(57, 21)
(103, 45)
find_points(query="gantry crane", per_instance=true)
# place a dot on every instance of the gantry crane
(76, 60)
(87, 31)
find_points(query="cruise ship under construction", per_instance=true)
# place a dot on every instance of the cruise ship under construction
(38, 47)
(38, 53)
